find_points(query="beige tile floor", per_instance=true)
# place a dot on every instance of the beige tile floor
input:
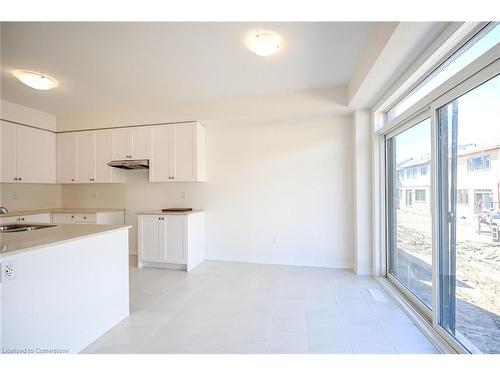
(226, 307)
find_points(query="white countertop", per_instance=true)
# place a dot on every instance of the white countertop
(160, 212)
(15, 242)
(61, 211)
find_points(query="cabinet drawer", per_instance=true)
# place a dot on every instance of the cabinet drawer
(86, 218)
(64, 218)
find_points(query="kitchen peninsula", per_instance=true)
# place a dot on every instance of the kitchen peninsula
(61, 286)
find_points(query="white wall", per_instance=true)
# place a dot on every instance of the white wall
(277, 192)
(363, 192)
(30, 196)
(28, 116)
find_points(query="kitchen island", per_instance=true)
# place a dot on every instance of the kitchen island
(62, 286)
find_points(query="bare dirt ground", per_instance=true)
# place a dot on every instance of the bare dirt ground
(478, 275)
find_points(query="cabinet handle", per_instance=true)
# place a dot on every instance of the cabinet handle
(72, 179)
(15, 178)
(91, 179)
(19, 178)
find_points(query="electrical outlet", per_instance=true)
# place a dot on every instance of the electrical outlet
(183, 195)
(8, 271)
(14, 196)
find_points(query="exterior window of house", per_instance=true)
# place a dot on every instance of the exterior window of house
(420, 195)
(483, 200)
(479, 163)
(423, 171)
(463, 196)
(411, 173)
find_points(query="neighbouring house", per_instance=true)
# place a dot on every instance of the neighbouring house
(478, 181)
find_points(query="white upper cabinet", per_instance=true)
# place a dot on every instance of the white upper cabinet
(67, 158)
(27, 154)
(36, 150)
(160, 168)
(103, 154)
(122, 144)
(83, 157)
(8, 150)
(141, 142)
(86, 165)
(131, 143)
(178, 153)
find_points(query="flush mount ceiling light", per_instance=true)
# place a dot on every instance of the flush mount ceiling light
(35, 80)
(263, 43)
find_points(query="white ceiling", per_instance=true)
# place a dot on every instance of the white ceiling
(102, 66)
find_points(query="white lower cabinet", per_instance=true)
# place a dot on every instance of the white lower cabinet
(112, 218)
(37, 218)
(175, 240)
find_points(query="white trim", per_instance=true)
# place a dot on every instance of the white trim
(420, 116)
(419, 320)
(452, 38)
(477, 65)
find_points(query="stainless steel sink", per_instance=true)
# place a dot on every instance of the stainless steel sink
(9, 228)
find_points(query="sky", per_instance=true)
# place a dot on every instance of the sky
(478, 122)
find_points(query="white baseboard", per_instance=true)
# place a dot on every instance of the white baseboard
(363, 271)
(342, 266)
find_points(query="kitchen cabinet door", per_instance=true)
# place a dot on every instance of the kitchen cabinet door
(140, 136)
(173, 239)
(160, 166)
(36, 218)
(85, 157)
(122, 144)
(103, 154)
(66, 158)
(8, 152)
(184, 152)
(149, 238)
(36, 155)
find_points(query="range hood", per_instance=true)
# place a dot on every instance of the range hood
(130, 164)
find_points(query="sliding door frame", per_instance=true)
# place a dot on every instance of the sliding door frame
(423, 309)
(440, 190)
(483, 69)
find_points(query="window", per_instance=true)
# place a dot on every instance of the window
(443, 219)
(479, 163)
(483, 200)
(483, 41)
(463, 196)
(411, 173)
(469, 268)
(409, 229)
(420, 195)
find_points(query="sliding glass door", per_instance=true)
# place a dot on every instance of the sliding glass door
(409, 220)
(469, 217)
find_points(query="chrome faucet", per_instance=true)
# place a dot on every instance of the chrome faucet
(3, 210)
